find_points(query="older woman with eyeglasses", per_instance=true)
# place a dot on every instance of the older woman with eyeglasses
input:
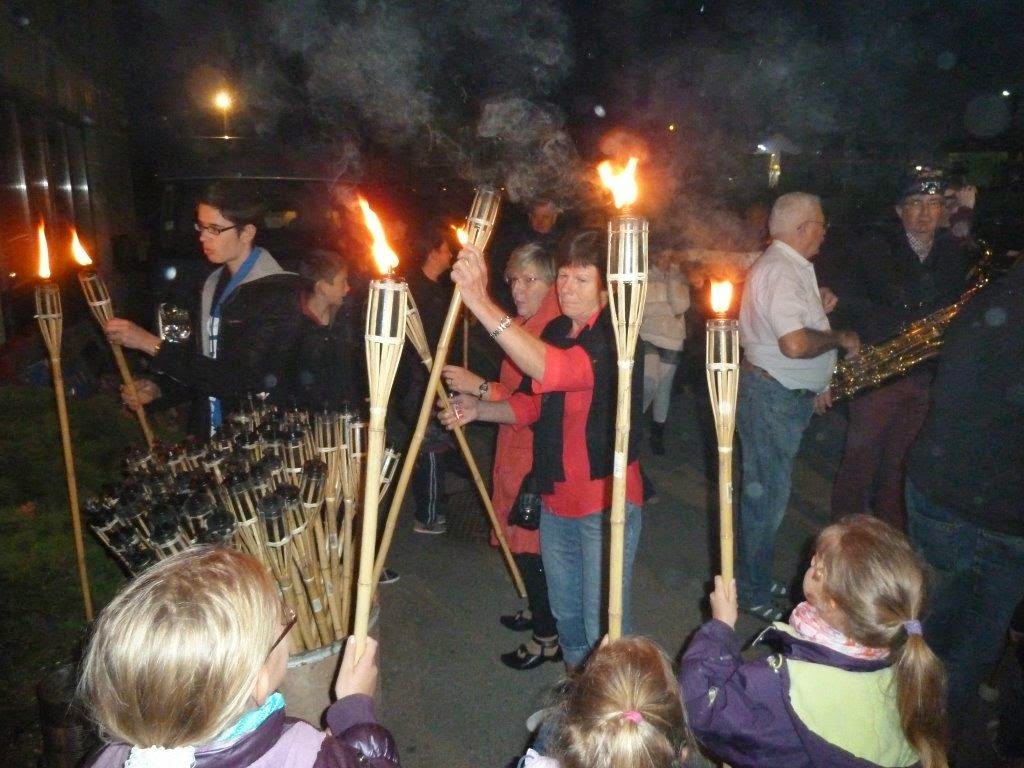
(183, 668)
(530, 275)
(568, 396)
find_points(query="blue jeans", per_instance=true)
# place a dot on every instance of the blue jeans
(978, 581)
(771, 421)
(574, 550)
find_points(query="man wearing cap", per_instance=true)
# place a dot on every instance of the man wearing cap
(887, 283)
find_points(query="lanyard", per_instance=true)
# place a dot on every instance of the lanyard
(236, 280)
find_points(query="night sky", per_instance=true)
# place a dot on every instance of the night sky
(528, 92)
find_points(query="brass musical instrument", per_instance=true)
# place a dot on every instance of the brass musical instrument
(919, 341)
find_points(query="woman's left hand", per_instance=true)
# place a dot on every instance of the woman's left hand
(470, 273)
(129, 335)
(462, 410)
(458, 379)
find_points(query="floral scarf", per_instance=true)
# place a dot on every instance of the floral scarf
(809, 624)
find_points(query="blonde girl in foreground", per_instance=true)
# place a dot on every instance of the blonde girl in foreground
(183, 668)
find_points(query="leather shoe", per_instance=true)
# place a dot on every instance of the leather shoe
(521, 658)
(517, 622)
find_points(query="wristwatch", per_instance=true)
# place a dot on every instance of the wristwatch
(483, 389)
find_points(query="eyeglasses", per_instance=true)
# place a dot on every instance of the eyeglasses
(289, 614)
(526, 281)
(212, 229)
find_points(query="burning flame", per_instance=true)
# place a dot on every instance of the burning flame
(44, 254)
(385, 257)
(721, 296)
(622, 183)
(461, 234)
(78, 252)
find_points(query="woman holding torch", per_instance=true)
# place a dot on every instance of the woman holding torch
(530, 275)
(568, 396)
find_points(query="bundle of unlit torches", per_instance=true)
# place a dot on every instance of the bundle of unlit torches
(283, 486)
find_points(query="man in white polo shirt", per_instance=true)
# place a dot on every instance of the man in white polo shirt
(790, 352)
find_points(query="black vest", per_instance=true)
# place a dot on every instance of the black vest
(599, 343)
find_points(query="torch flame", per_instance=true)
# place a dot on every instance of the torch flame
(461, 234)
(721, 296)
(44, 254)
(622, 183)
(78, 252)
(385, 257)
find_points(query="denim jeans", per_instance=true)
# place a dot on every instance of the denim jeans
(575, 550)
(771, 421)
(979, 579)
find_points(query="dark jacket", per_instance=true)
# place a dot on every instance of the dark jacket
(969, 455)
(259, 332)
(284, 742)
(883, 285)
(599, 343)
(755, 713)
(330, 363)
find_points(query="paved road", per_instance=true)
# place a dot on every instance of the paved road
(447, 697)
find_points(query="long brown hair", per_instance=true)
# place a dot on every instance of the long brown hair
(622, 710)
(878, 582)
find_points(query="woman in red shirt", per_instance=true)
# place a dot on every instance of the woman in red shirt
(530, 275)
(568, 396)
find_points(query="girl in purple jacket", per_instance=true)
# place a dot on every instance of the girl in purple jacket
(183, 669)
(852, 683)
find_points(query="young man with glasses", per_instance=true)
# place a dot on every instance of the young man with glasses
(249, 318)
(887, 283)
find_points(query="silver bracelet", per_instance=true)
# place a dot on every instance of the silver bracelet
(503, 326)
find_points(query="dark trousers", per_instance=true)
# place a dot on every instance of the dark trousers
(883, 425)
(532, 568)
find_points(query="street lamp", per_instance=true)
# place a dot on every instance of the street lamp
(222, 100)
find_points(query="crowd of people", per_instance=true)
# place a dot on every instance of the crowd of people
(857, 676)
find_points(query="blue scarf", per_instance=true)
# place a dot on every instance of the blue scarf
(254, 718)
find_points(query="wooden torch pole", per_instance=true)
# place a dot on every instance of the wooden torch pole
(98, 299)
(414, 330)
(723, 372)
(385, 337)
(627, 295)
(51, 321)
(479, 225)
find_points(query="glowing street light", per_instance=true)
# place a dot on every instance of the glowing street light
(222, 100)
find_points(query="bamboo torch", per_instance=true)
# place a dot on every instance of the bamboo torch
(627, 294)
(385, 337)
(51, 324)
(723, 369)
(417, 335)
(479, 226)
(98, 299)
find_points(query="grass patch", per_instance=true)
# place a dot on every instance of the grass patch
(40, 599)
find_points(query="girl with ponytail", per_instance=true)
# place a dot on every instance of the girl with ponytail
(852, 683)
(621, 710)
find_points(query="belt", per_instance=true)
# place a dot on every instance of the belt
(748, 366)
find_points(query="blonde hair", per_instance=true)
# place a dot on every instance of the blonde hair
(532, 253)
(623, 710)
(878, 582)
(175, 656)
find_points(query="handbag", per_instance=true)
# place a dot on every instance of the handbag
(525, 512)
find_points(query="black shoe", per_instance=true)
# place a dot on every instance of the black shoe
(517, 622)
(522, 658)
(387, 576)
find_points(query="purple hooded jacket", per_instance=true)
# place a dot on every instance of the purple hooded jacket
(744, 712)
(283, 742)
